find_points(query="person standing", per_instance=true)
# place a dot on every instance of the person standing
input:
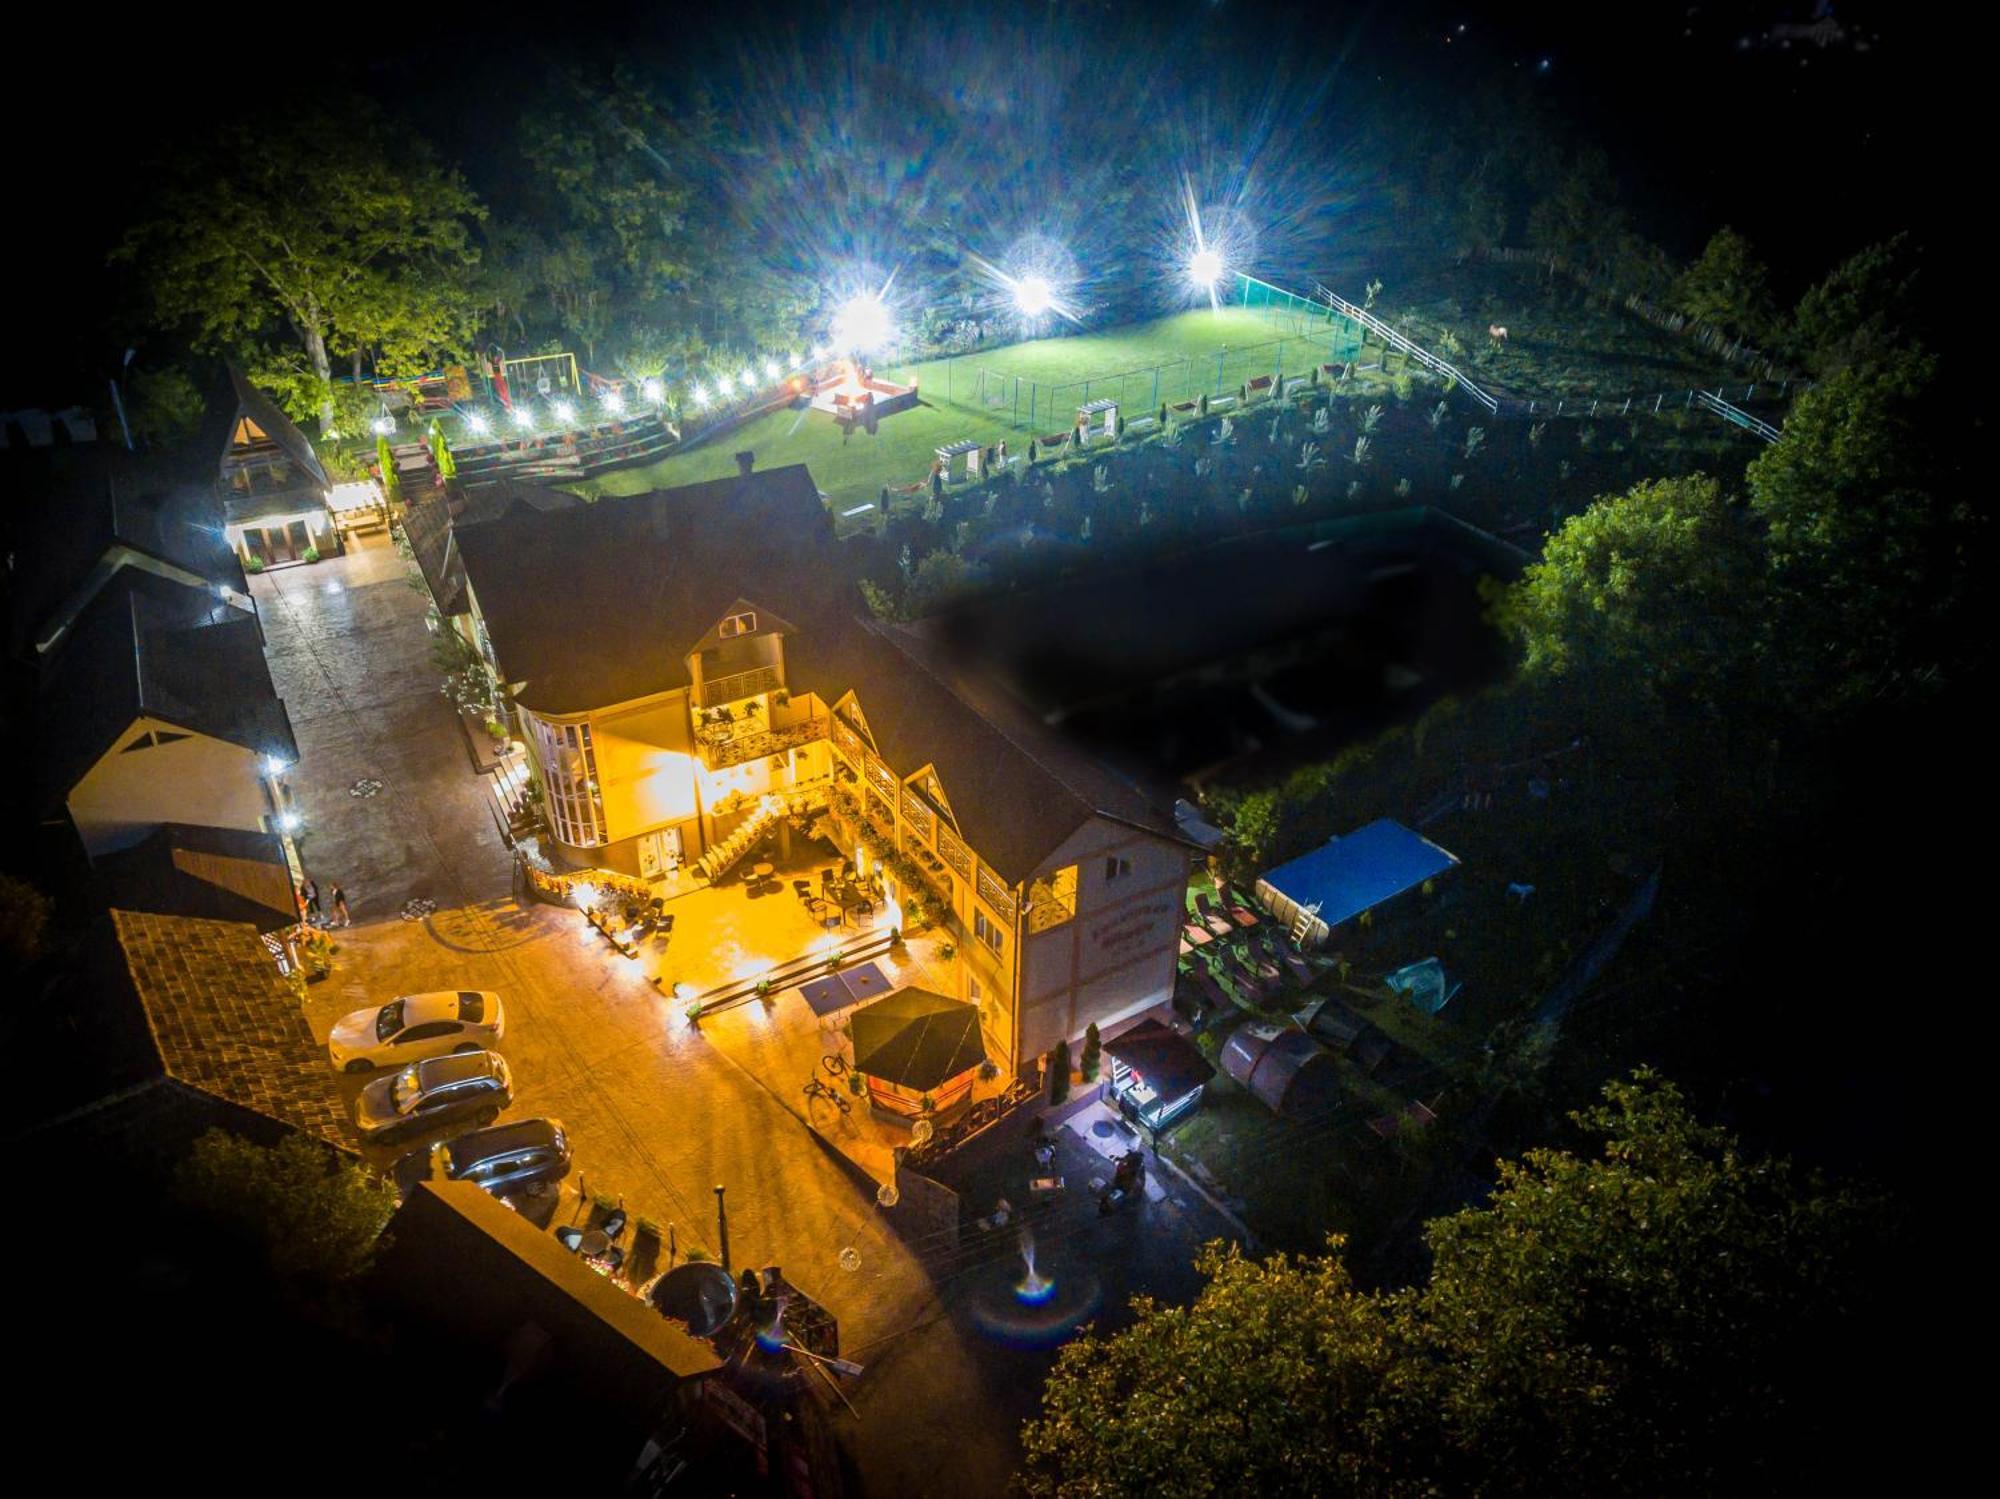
(311, 891)
(341, 915)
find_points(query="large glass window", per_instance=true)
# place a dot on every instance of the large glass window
(569, 774)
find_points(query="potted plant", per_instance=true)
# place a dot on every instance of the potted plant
(694, 1012)
(312, 554)
(855, 1083)
(1092, 1046)
(1059, 1072)
(253, 565)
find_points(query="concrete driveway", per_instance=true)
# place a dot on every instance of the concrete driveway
(351, 657)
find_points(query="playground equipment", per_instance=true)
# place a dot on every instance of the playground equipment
(536, 376)
(1087, 423)
(970, 450)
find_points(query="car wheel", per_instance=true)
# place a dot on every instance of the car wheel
(360, 1064)
(465, 1046)
(487, 1115)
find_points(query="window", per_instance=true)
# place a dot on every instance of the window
(1116, 868)
(737, 624)
(429, 1031)
(986, 931)
(569, 774)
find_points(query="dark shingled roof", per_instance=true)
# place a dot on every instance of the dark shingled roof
(603, 605)
(148, 646)
(1170, 1063)
(224, 874)
(432, 520)
(225, 1023)
(80, 505)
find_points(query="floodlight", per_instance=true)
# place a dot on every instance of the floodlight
(700, 397)
(290, 822)
(273, 766)
(771, 371)
(476, 421)
(523, 417)
(724, 384)
(613, 402)
(863, 324)
(1205, 267)
(748, 379)
(1033, 295)
(565, 412)
(383, 426)
(653, 391)
(796, 361)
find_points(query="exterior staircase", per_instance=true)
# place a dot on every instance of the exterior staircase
(719, 860)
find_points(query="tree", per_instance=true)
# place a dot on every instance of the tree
(1866, 309)
(1869, 557)
(1059, 1072)
(1727, 286)
(163, 406)
(316, 1218)
(1643, 599)
(296, 222)
(1637, 1318)
(1093, 1046)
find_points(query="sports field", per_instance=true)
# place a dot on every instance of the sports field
(1012, 393)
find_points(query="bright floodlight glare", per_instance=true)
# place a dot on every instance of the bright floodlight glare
(613, 402)
(724, 384)
(564, 411)
(523, 417)
(771, 369)
(1205, 267)
(289, 821)
(862, 325)
(653, 391)
(748, 379)
(795, 361)
(1033, 295)
(476, 420)
(273, 766)
(700, 397)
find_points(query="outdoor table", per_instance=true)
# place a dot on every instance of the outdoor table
(594, 1243)
(762, 871)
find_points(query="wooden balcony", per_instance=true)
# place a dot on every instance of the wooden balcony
(724, 745)
(715, 691)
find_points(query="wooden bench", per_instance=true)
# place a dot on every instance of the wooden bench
(1259, 385)
(1185, 408)
(1333, 371)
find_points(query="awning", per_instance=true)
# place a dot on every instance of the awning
(1170, 1063)
(841, 991)
(917, 1039)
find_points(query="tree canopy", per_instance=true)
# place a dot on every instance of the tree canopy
(1646, 1315)
(1728, 286)
(317, 1220)
(310, 231)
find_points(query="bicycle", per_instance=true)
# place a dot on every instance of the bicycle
(817, 1089)
(835, 1064)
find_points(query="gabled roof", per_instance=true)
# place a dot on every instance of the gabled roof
(917, 1039)
(280, 429)
(225, 1024)
(88, 512)
(603, 605)
(1168, 1061)
(147, 646)
(1359, 872)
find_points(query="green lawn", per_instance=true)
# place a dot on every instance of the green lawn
(1206, 350)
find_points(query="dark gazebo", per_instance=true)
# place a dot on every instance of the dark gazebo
(915, 1045)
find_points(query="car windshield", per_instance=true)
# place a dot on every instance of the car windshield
(407, 1089)
(471, 1006)
(389, 1020)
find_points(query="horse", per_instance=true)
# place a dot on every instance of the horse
(1497, 332)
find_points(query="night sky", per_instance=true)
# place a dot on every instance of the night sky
(1708, 116)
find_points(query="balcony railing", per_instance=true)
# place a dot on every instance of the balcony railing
(738, 685)
(719, 753)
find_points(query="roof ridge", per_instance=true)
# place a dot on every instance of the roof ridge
(916, 660)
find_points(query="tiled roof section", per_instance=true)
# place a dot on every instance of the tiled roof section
(224, 1021)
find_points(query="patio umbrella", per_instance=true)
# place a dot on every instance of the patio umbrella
(917, 1039)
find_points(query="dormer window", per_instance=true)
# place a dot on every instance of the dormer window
(737, 624)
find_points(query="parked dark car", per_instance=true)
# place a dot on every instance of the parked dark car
(506, 1159)
(467, 1087)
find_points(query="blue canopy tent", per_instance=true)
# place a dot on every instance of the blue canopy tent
(1337, 882)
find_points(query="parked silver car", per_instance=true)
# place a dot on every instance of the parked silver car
(468, 1087)
(506, 1159)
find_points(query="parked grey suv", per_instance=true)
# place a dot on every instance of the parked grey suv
(469, 1087)
(505, 1160)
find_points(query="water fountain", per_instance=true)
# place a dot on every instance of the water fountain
(1034, 1289)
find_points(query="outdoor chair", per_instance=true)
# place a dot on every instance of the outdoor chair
(803, 889)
